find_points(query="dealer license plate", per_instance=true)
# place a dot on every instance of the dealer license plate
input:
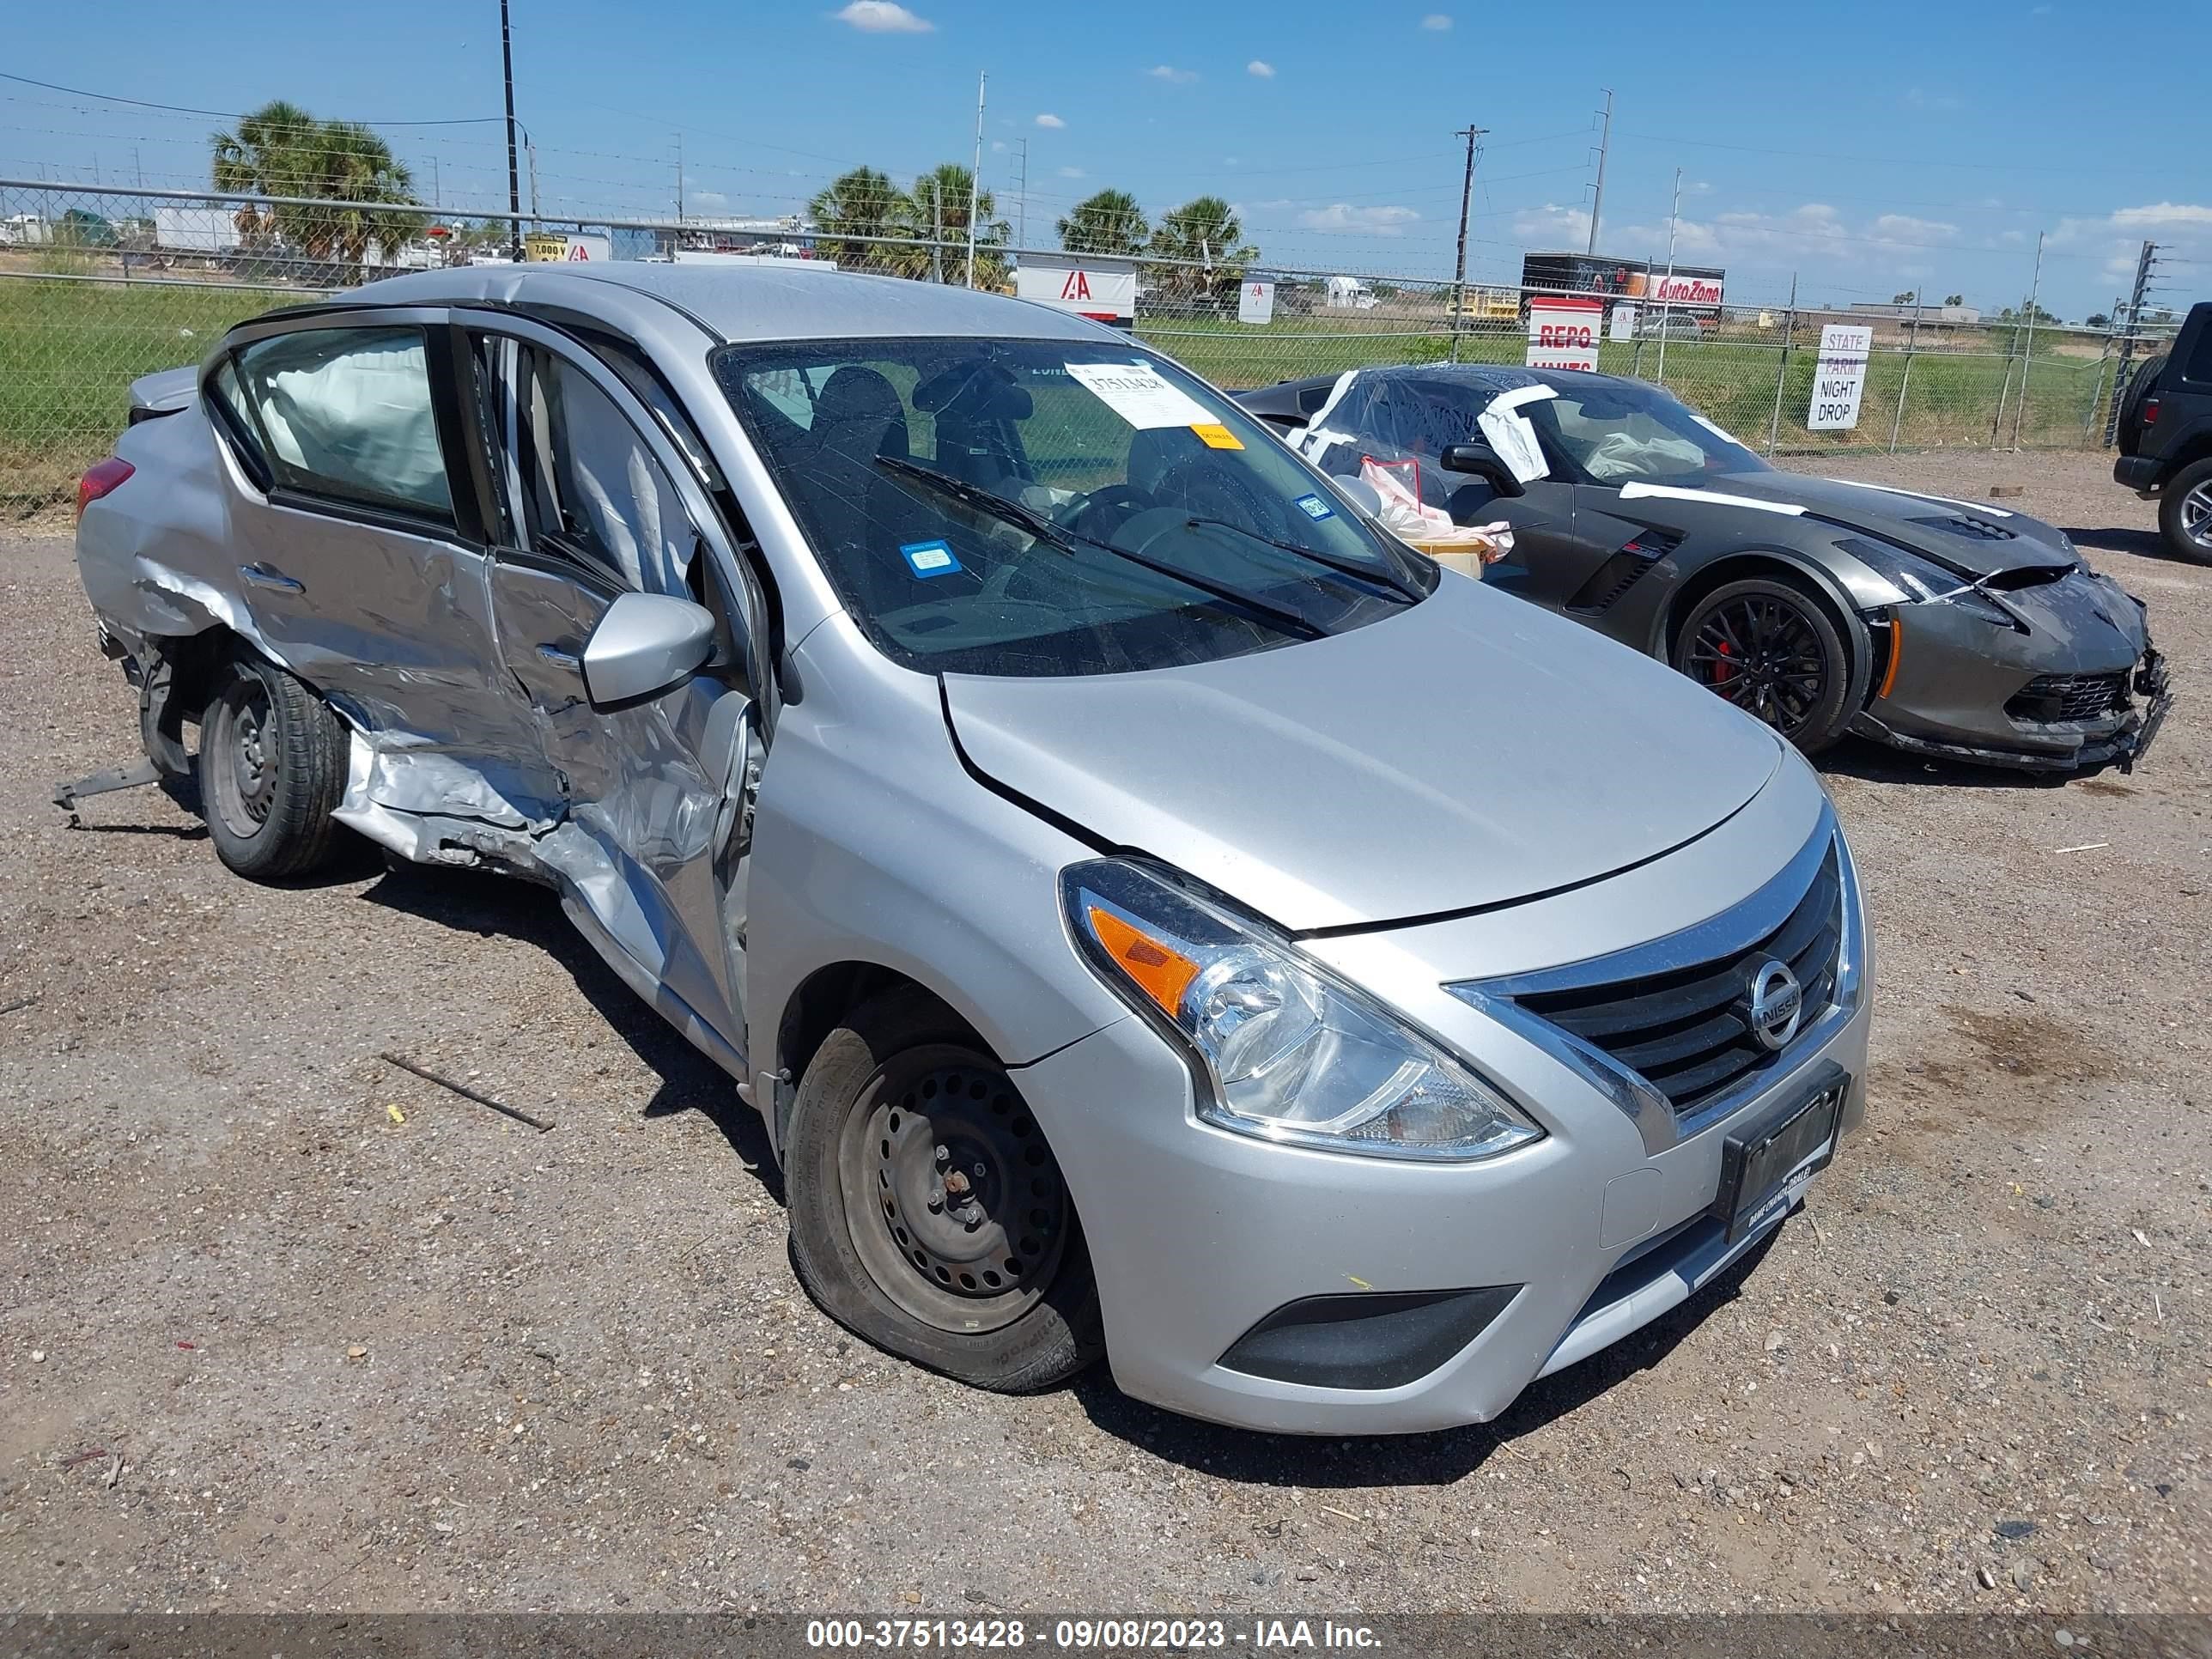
(1765, 1165)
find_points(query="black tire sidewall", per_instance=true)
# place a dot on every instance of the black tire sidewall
(1051, 1342)
(298, 834)
(1840, 698)
(2169, 511)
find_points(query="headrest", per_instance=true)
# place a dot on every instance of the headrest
(974, 391)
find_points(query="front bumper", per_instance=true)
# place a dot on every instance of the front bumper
(1957, 671)
(1198, 1235)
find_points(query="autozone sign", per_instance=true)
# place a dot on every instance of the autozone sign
(1682, 289)
(1563, 333)
(1103, 290)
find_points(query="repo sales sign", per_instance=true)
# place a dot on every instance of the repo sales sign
(1563, 333)
(1839, 378)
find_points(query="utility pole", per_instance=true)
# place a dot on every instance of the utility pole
(2144, 261)
(437, 195)
(513, 178)
(679, 181)
(530, 146)
(1597, 201)
(1471, 133)
(975, 177)
(1674, 219)
(1022, 235)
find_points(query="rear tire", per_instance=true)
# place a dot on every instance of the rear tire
(914, 1175)
(272, 767)
(2184, 511)
(1773, 649)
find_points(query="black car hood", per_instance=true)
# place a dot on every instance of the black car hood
(1973, 537)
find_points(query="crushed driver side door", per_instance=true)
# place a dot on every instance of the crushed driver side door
(592, 501)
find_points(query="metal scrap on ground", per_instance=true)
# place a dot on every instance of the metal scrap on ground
(464, 1091)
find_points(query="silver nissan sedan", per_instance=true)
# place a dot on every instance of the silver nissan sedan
(1155, 913)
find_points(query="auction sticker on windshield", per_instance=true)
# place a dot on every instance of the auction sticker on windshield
(1139, 396)
(929, 558)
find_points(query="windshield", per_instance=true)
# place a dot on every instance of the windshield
(1050, 508)
(1613, 433)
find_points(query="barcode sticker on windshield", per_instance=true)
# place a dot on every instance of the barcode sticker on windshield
(930, 558)
(1138, 395)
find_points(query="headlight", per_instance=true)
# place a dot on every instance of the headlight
(1922, 581)
(1290, 1054)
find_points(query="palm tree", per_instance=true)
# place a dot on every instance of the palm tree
(1108, 222)
(280, 150)
(865, 203)
(1203, 233)
(941, 198)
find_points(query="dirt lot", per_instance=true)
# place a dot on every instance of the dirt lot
(350, 1360)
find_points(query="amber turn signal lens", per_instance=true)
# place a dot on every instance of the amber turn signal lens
(1162, 973)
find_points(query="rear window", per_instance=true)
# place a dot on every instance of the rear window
(346, 414)
(2200, 354)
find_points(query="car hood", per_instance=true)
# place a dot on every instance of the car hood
(1466, 752)
(1973, 537)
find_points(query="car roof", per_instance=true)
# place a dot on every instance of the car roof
(745, 302)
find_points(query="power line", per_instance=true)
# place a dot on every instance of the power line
(231, 114)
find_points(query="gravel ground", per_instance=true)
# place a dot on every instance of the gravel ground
(281, 1327)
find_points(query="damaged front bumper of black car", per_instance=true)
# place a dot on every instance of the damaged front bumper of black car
(2057, 678)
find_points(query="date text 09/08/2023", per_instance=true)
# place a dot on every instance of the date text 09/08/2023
(1103, 1635)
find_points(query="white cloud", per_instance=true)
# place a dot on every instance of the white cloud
(882, 17)
(2176, 216)
(1052, 121)
(1072, 173)
(1921, 98)
(1552, 226)
(709, 198)
(1366, 220)
(1438, 20)
(998, 146)
(1265, 70)
(1904, 227)
(1169, 72)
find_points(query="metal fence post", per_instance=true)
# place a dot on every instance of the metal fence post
(1904, 380)
(1781, 369)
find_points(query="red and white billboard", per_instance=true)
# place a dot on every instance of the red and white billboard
(1564, 333)
(1104, 290)
(1683, 289)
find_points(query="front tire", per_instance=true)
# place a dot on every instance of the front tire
(2184, 511)
(1772, 649)
(272, 767)
(928, 1216)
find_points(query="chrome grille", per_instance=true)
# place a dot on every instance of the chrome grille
(1685, 1031)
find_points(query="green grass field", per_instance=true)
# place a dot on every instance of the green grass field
(70, 350)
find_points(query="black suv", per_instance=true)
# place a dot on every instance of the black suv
(2166, 437)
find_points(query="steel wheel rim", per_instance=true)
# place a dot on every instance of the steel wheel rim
(2196, 515)
(1762, 654)
(239, 756)
(952, 1199)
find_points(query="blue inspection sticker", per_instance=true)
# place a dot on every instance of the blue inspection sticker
(1315, 508)
(929, 558)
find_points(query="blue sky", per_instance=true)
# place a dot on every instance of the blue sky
(1865, 150)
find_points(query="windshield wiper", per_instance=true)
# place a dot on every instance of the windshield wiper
(1036, 524)
(1352, 567)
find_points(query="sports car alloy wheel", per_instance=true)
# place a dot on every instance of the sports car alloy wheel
(1761, 652)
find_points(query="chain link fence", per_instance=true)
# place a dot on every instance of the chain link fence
(98, 287)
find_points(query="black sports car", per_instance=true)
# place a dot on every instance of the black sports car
(1822, 606)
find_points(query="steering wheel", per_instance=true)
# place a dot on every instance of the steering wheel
(1204, 488)
(1123, 501)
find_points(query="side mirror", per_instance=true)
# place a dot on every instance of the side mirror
(1485, 463)
(645, 644)
(1364, 496)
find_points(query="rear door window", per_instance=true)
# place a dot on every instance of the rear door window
(346, 415)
